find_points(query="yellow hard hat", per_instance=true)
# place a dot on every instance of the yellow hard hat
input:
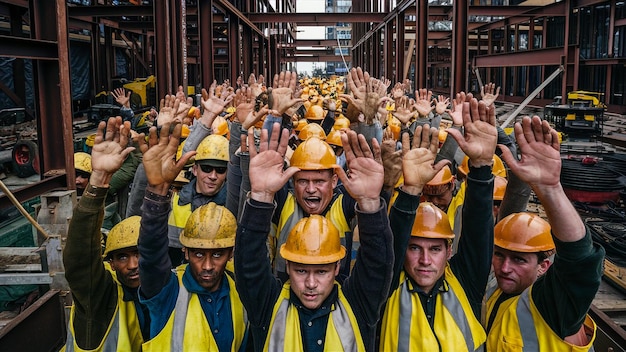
(312, 130)
(497, 169)
(123, 235)
(82, 162)
(193, 112)
(341, 122)
(210, 226)
(499, 187)
(313, 154)
(184, 131)
(431, 222)
(220, 127)
(314, 112)
(523, 232)
(90, 140)
(314, 240)
(213, 150)
(394, 125)
(334, 138)
(443, 134)
(300, 125)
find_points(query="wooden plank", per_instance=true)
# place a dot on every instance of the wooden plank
(615, 274)
(610, 305)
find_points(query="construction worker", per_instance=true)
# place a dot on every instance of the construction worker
(196, 307)
(436, 300)
(314, 192)
(538, 306)
(312, 311)
(106, 314)
(209, 169)
(82, 167)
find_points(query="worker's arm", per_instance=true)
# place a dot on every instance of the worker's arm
(93, 289)
(472, 262)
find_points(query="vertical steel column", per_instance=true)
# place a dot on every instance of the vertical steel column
(183, 74)
(565, 58)
(421, 42)
(234, 58)
(175, 27)
(162, 46)
(98, 72)
(52, 90)
(205, 19)
(109, 57)
(388, 50)
(247, 52)
(459, 47)
(376, 54)
(19, 81)
(611, 28)
(399, 47)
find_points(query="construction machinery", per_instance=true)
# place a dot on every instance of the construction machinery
(582, 116)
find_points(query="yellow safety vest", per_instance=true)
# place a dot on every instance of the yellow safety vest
(519, 326)
(292, 213)
(123, 334)
(406, 328)
(187, 328)
(342, 331)
(178, 217)
(455, 203)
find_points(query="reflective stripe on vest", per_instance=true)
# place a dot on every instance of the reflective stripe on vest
(177, 220)
(123, 333)
(342, 330)
(412, 323)
(292, 213)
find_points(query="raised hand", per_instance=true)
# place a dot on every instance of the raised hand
(540, 165)
(109, 150)
(397, 91)
(423, 102)
(366, 94)
(441, 104)
(418, 158)
(480, 137)
(185, 103)
(457, 108)
(404, 109)
(243, 102)
(121, 97)
(256, 85)
(214, 101)
(489, 93)
(282, 94)
(365, 179)
(167, 110)
(266, 167)
(392, 160)
(158, 155)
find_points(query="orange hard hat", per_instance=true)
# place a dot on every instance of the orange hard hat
(444, 176)
(313, 154)
(499, 187)
(312, 130)
(497, 169)
(220, 127)
(431, 222)
(300, 125)
(314, 240)
(523, 232)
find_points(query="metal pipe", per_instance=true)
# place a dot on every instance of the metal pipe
(19, 207)
(532, 95)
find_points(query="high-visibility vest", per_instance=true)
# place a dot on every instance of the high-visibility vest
(519, 326)
(124, 332)
(342, 331)
(187, 328)
(405, 326)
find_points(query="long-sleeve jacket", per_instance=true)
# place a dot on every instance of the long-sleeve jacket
(365, 289)
(94, 290)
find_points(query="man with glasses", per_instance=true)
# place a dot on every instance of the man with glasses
(209, 170)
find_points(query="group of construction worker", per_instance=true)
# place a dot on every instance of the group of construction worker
(329, 215)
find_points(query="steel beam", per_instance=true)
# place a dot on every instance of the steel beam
(205, 30)
(41, 327)
(421, 47)
(228, 7)
(28, 48)
(315, 58)
(110, 11)
(162, 44)
(459, 48)
(538, 57)
(319, 19)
